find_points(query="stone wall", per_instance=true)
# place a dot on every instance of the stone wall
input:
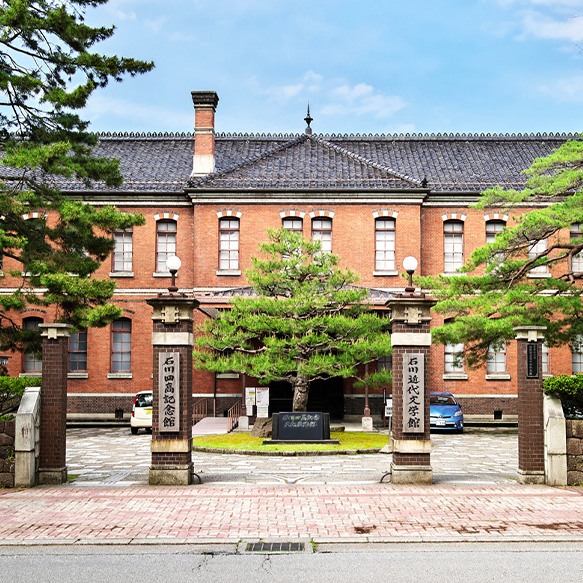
(7, 433)
(574, 452)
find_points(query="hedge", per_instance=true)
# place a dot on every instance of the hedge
(12, 389)
(570, 390)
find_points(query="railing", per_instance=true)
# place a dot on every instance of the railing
(233, 414)
(199, 410)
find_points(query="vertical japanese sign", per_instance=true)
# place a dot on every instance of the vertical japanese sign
(168, 391)
(413, 393)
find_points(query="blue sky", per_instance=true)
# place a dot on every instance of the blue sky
(372, 66)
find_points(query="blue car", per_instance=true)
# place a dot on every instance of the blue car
(445, 412)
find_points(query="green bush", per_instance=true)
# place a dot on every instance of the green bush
(12, 389)
(570, 390)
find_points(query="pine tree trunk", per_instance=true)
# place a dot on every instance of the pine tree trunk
(301, 392)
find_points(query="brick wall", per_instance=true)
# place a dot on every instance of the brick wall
(419, 232)
(7, 433)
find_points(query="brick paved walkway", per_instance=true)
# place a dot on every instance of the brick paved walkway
(196, 514)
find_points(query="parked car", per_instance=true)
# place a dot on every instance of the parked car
(142, 412)
(445, 412)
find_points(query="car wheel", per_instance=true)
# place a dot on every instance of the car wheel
(134, 430)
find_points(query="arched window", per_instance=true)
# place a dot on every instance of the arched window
(32, 361)
(322, 231)
(165, 243)
(384, 244)
(228, 244)
(293, 224)
(453, 245)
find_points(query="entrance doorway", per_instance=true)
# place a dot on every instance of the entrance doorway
(326, 395)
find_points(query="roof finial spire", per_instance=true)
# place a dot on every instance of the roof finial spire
(308, 120)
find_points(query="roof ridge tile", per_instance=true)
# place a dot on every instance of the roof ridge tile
(366, 161)
(246, 162)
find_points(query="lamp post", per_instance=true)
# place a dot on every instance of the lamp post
(410, 265)
(173, 264)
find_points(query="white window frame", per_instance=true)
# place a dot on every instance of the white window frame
(453, 246)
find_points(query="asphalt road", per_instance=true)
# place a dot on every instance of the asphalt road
(398, 563)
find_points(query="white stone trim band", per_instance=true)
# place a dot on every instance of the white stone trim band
(410, 339)
(172, 338)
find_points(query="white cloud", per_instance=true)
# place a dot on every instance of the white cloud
(127, 112)
(120, 9)
(568, 89)
(362, 99)
(336, 97)
(540, 26)
(154, 25)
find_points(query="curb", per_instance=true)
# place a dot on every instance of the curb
(286, 453)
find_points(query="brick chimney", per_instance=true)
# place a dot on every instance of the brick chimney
(205, 104)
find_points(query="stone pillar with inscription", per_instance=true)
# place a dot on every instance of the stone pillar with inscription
(53, 395)
(173, 341)
(411, 342)
(531, 449)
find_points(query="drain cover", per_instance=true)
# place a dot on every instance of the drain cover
(275, 547)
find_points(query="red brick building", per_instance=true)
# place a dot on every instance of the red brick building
(209, 198)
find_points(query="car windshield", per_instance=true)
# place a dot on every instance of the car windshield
(442, 400)
(144, 400)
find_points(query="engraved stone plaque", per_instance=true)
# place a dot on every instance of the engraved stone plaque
(413, 393)
(168, 392)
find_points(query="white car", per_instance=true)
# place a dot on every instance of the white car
(142, 412)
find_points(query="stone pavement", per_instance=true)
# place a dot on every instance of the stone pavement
(106, 456)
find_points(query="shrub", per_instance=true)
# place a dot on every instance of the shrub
(570, 390)
(12, 389)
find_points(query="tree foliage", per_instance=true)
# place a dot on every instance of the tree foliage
(511, 282)
(48, 70)
(305, 321)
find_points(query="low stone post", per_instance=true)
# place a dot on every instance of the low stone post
(411, 341)
(531, 439)
(53, 425)
(173, 341)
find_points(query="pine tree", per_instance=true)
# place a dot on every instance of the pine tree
(513, 281)
(48, 70)
(305, 321)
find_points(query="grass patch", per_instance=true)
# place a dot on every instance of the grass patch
(355, 441)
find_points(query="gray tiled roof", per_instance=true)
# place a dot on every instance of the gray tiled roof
(449, 163)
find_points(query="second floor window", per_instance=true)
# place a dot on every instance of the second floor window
(123, 251)
(322, 231)
(492, 229)
(385, 244)
(228, 244)
(293, 224)
(453, 246)
(165, 243)
(536, 249)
